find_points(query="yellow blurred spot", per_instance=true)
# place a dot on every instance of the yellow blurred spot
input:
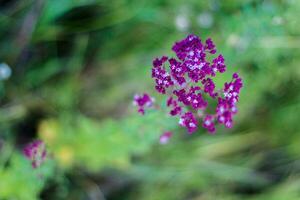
(48, 130)
(122, 162)
(65, 156)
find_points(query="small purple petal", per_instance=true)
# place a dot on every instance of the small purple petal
(165, 137)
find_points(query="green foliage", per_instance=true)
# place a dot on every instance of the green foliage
(20, 181)
(75, 67)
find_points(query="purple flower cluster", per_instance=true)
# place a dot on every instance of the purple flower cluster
(226, 107)
(142, 102)
(188, 81)
(35, 152)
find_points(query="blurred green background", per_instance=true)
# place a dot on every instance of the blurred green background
(69, 71)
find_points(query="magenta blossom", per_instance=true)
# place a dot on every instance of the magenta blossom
(35, 152)
(188, 83)
(165, 137)
(142, 102)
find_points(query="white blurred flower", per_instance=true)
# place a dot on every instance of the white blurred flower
(182, 22)
(233, 40)
(205, 19)
(5, 71)
(238, 42)
(277, 20)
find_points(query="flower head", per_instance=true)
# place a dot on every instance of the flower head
(142, 102)
(35, 152)
(188, 81)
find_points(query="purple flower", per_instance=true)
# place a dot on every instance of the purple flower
(165, 137)
(159, 62)
(226, 107)
(174, 104)
(189, 121)
(210, 46)
(209, 87)
(35, 152)
(162, 77)
(188, 47)
(170, 101)
(218, 65)
(208, 123)
(188, 82)
(142, 102)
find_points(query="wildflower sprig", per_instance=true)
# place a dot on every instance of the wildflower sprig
(35, 152)
(187, 81)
